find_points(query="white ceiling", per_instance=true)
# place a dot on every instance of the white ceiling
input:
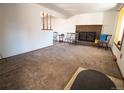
(70, 9)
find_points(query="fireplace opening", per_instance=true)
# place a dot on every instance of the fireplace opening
(87, 36)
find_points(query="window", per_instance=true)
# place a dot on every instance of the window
(120, 29)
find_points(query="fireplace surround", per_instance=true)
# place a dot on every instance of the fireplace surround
(88, 34)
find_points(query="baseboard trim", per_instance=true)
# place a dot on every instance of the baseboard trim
(26, 52)
(114, 57)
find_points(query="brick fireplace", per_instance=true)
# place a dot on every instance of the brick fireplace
(88, 33)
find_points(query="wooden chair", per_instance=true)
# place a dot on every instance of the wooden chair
(104, 40)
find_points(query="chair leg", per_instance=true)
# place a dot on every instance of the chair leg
(99, 44)
(106, 45)
(102, 45)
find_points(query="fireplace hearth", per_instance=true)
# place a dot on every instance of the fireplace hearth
(87, 36)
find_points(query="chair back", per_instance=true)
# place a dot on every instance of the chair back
(68, 35)
(74, 36)
(105, 38)
(108, 38)
(55, 34)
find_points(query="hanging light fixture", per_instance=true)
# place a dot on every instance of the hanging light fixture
(46, 21)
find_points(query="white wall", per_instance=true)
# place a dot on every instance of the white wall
(69, 25)
(109, 24)
(20, 30)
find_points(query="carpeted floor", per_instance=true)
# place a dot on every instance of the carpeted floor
(52, 67)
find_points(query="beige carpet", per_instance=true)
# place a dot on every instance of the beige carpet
(52, 67)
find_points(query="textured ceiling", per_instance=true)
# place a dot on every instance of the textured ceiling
(71, 9)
